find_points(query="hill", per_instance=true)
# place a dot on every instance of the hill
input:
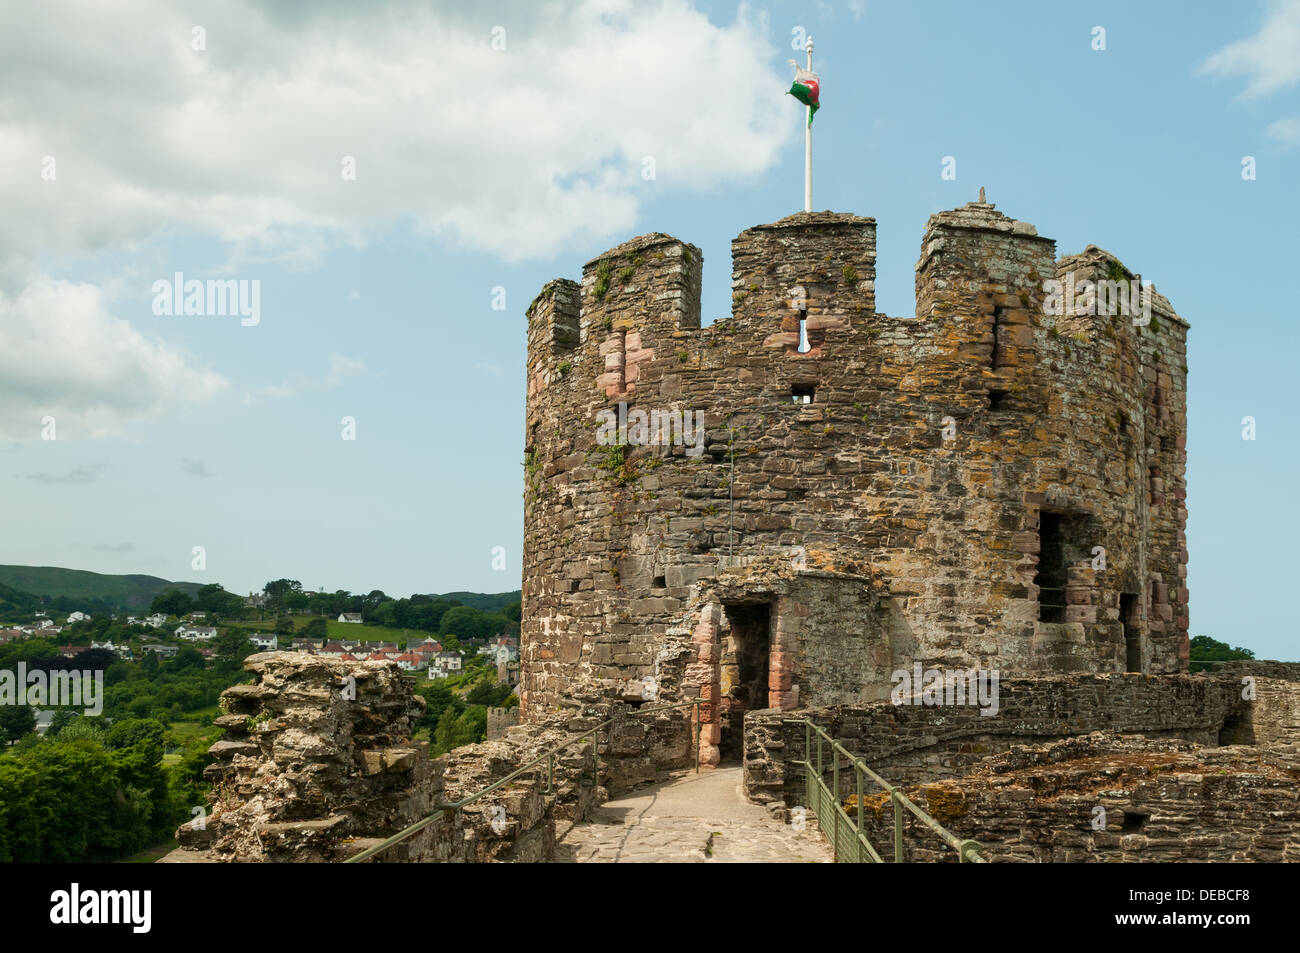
(99, 590)
(483, 601)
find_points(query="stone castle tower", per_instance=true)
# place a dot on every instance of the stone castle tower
(986, 485)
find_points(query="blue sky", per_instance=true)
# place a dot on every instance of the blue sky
(482, 167)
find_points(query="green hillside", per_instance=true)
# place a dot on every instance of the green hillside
(104, 591)
(483, 601)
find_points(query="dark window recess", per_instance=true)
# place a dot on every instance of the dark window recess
(661, 582)
(804, 346)
(1133, 822)
(1128, 616)
(1123, 425)
(803, 393)
(998, 357)
(997, 400)
(1051, 576)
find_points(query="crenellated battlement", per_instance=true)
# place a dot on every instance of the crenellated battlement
(952, 475)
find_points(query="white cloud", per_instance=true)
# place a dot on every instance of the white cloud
(338, 369)
(1286, 131)
(1269, 60)
(62, 354)
(514, 152)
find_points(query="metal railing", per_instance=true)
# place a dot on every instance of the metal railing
(592, 735)
(847, 836)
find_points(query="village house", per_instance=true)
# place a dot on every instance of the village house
(121, 651)
(162, 651)
(352, 617)
(445, 663)
(264, 642)
(409, 661)
(196, 633)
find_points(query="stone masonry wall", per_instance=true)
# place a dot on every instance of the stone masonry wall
(1160, 801)
(917, 474)
(915, 743)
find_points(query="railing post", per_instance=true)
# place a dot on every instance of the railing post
(835, 798)
(858, 774)
(898, 827)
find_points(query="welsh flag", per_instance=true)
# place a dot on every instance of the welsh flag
(807, 89)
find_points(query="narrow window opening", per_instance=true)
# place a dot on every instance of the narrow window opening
(802, 393)
(1128, 610)
(1051, 575)
(622, 362)
(997, 400)
(1153, 474)
(661, 582)
(804, 346)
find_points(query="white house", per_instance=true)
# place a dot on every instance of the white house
(444, 663)
(408, 661)
(264, 642)
(157, 620)
(353, 617)
(78, 617)
(196, 633)
(121, 651)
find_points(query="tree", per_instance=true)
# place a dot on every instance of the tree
(232, 648)
(171, 602)
(16, 721)
(1204, 648)
(149, 664)
(62, 718)
(214, 600)
(466, 623)
(187, 658)
(278, 589)
(316, 629)
(283, 625)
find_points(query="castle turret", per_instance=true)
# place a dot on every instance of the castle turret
(806, 496)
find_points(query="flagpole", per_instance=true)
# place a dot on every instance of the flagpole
(807, 143)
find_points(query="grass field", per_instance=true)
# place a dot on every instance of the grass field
(338, 631)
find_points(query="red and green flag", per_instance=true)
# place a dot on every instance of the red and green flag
(807, 89)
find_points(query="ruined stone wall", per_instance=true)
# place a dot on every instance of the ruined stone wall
(862, 479)
(317, 764)
(1159, 801)
(916, 743)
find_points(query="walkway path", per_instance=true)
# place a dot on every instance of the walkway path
(690, 818)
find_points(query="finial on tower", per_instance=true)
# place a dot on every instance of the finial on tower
(982, 195)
